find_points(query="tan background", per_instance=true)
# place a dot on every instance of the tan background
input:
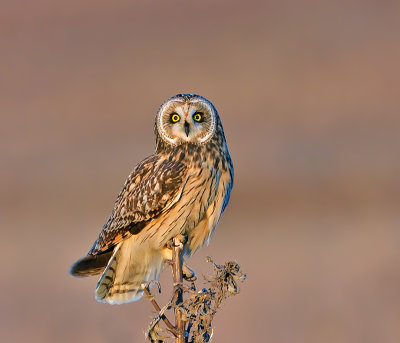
(308, 92)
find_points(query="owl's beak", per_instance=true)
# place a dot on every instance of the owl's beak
(187, 128)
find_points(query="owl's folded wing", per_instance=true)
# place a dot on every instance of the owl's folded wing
(155, 185)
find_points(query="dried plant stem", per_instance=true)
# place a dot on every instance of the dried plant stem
(178, 280)
(194, 315)
(169, 325)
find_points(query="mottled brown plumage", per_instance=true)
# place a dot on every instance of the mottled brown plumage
(147, 192)
(180, 190)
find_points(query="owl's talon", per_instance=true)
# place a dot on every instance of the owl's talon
(188, 273)
(182, 239)
(170, 244)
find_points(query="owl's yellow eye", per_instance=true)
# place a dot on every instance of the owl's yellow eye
(175, 117)
(197, 116)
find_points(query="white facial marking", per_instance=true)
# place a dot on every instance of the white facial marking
(176, 132)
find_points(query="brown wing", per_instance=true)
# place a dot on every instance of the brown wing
(154, 185)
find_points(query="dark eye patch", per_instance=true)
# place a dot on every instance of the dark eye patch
(174, 118)
(198, 117)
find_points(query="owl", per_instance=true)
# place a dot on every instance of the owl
(180, 190)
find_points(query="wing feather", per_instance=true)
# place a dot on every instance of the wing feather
(155, 185)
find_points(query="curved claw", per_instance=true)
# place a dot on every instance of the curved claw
(188, 273)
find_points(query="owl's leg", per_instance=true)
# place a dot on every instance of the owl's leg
(187, 272)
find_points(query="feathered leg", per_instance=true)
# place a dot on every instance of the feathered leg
(131, 266)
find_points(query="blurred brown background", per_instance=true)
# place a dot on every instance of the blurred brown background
(308, 92)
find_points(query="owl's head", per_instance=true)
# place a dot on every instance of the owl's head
(186, 118)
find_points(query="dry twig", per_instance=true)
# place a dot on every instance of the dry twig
(194, 315)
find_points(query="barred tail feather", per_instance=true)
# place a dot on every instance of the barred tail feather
(131, 266)
(90, 265)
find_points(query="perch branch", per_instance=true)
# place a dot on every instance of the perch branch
(169, 325)
(178, 280)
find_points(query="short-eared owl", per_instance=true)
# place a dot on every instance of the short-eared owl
(180, 190)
